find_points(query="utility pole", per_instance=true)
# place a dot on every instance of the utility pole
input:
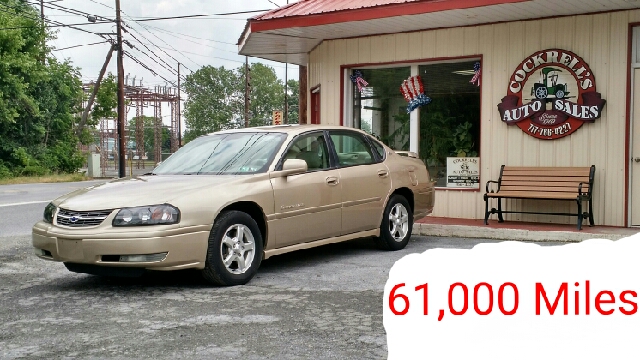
(247, 91)
(44, 41)
(121, 104)
(286, 89)
(179, 117)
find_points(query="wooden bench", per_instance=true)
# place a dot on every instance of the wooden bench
(543, 183)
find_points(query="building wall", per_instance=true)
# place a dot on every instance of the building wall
(600, 39)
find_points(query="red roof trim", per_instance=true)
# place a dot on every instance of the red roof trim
(371, 13)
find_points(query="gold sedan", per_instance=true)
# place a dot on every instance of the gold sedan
(227, 200)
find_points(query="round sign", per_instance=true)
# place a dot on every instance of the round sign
(551, 94)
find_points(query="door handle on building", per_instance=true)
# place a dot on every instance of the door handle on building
(332, 180)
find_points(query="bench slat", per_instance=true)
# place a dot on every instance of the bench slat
(534, 168)
(572, 190)
(535, 173)
(527, 180)
(534, 195)
(535, 182)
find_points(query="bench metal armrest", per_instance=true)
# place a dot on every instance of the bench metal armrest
(580, 193)
(494, 182)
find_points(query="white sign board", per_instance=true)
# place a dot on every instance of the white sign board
(463, 172)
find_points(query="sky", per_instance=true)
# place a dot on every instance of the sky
(161, 44)
(193, 42)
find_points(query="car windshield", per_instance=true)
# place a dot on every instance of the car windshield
(224, 154)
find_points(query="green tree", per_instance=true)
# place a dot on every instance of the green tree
(293, 99)
(267, 93)
(214, 97)
(38, 99)
(106, 102)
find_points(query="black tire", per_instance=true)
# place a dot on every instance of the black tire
(215, 271)
(387, 240)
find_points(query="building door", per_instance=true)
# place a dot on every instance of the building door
(315, 105)
(635, 151)
(634, 165)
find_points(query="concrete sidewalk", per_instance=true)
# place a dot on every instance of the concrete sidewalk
(515, 230)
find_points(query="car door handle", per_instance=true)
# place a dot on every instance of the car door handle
(383, 173)
(332, 180)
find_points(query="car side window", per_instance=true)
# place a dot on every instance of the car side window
(311, 148)
(378, 147)
(351, 149)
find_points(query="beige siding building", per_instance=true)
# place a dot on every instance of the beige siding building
(605, 40)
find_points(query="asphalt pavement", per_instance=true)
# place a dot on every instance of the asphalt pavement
(22, 205)
(322, 303)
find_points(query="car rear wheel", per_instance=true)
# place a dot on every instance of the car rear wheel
(235, 249)
(397, 224)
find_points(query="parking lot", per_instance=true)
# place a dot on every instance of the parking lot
(320, 303)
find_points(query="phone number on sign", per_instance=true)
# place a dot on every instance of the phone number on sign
(507, 298)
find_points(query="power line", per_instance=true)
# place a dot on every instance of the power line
(172, 71)
(75, 46)
(144, 37)
(200, 15)
(51, 26)
(200, 44)
(193, 37)
(146, 67)
(99, 3)
(143, 44)
(73, 11)
(56, 23)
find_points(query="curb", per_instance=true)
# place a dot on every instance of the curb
(464, 231)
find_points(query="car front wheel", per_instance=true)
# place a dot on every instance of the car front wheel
(235, 249)
(397, 223)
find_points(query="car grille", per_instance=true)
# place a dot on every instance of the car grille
(81, 218)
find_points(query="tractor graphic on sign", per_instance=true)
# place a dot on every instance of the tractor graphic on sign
(548, 86)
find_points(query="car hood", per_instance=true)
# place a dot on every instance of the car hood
(142, 190)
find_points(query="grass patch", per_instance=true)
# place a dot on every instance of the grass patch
(44, 179)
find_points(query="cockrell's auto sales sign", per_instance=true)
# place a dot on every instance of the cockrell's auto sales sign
(551, 94)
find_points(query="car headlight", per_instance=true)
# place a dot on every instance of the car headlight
(147, 215)
(48, 213)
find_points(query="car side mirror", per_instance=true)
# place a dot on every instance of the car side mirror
(293, 167)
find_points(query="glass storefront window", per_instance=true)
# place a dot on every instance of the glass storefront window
(449, 125)
(380, 108)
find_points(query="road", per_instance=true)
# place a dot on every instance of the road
(22, 205)
(323, 303)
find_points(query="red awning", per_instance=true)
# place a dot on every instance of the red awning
(289, 33)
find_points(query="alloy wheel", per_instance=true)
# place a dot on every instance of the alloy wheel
(398, 222)
(237, 249)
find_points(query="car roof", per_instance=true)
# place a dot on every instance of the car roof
(293, 129)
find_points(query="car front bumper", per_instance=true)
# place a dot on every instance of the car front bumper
(184, 247)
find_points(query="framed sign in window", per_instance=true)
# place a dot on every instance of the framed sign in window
(463, 172)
